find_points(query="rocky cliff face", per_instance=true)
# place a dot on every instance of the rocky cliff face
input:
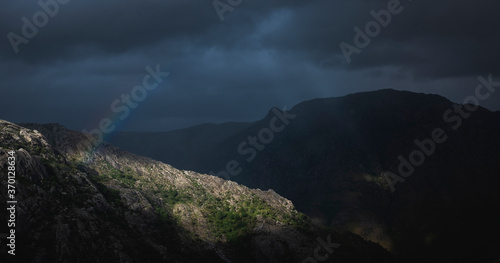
(106, 205)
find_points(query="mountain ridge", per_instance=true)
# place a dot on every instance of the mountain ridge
(112, 205)
(331, 159)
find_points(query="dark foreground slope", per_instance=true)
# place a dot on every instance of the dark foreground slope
(332, 161)
(112, 206)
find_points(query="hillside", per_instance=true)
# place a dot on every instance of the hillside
(107, 205)
(332, 160)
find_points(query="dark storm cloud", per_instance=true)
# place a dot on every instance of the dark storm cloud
(110, 26)
(432, 38)
(264, 54)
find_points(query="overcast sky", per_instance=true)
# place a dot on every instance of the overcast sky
(86, 54)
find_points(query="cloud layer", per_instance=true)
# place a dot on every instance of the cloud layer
(263, 54)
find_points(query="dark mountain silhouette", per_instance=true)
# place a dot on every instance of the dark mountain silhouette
(334, 158)
(180, 143)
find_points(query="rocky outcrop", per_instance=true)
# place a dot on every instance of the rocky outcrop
(106, 205)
